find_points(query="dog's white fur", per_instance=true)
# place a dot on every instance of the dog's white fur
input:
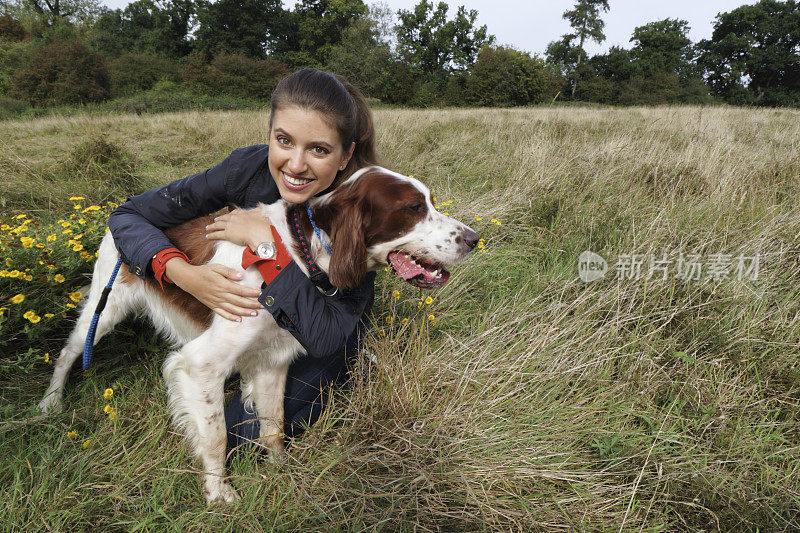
(256, 347)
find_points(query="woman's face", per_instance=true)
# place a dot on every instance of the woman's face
(305, 153)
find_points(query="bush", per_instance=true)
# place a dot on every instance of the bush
(63, 72)
(11, 29)
(132, 73)
(503, 76)
(234, 74)
(11, 108)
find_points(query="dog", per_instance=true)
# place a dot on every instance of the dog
(375, 218)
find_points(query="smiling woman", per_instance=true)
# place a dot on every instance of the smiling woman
(320, 133)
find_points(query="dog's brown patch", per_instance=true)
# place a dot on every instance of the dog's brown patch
(190, 238)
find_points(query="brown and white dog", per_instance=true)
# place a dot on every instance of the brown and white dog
(377, 217)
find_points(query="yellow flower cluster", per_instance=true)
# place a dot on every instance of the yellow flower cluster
(32, 317)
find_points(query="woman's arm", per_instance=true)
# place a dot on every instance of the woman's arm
(322, 324)
(138, 224)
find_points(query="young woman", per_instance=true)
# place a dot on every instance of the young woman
(320, 133)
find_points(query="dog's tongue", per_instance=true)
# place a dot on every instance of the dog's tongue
(405, 266)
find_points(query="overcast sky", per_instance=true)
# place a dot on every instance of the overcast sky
(530, 24)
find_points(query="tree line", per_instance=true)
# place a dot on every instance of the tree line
(55, 52)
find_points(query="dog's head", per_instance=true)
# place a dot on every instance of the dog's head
(378, 217)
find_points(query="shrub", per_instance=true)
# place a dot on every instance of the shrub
(235, 74)
(11, 29)
(11, 108)
(132, 73)
(503, 76)
(63, 72)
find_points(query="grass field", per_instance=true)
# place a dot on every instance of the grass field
(531, 401)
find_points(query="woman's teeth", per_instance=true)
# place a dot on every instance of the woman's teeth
(295, 181)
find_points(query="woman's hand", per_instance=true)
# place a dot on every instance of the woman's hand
(245, 228)
(214, 286)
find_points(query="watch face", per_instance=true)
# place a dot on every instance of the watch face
(266, 250)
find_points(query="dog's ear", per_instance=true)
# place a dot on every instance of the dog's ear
(348, 264)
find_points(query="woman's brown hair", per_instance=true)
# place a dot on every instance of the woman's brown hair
(341, 103)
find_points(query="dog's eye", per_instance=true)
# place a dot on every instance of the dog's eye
(416, 207)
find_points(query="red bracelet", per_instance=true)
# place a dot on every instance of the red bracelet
(159, 264)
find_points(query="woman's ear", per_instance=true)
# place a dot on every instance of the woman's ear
(348, 264)
(348, 155)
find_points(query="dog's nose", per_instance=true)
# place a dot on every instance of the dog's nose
(470, 238)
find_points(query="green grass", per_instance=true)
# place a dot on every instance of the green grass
(532, 401)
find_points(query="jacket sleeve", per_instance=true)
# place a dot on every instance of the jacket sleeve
(137, 225)
(322, 324)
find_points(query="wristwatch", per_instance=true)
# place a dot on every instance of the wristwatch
(267, 250)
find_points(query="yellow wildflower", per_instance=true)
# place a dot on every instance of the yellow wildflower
(107, 409)
(113, 205)
(72, 435)
(3, 310)
(8, 262)
(27, 277)
(18, 299)
(51, 238)
(478, 218)
(87, 443)
(28, 314)
(446, 214)
(47, 357)
(27, 242)
(15, 274)
(419, 304)
(428, 300)
(75, 296)
(5, 227)
(481, 243)
(77, 248)
(76, 206)
(431, 318)
(81, 221)
(112, 415)
(40, 245)
(34, 319)
(19, 216)
(65, 224)
(388, 320)
(76, 198)
(404, 321)
(71, 306)
(109, 392)
(67, 231)
(79, 236)
(396, 295)
(49, 315)
(59, 278)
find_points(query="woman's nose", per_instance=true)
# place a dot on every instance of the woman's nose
(297, 163)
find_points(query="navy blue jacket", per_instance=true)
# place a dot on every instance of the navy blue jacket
(322, 324)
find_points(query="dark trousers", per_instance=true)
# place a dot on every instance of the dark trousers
(308, 386)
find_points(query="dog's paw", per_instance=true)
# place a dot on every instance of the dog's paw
(220, 492)
(50, 404)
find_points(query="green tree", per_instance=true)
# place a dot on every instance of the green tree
(305, 36)
(146, 26)
(364, 56)
(587, 25)
(75, 11)
(223, 28)
(663, 47)
(754, 54)
(503, 76)
(432, 45)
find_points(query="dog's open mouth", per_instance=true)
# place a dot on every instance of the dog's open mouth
(418, 272)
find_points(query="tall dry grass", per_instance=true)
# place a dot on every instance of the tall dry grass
(532, 400)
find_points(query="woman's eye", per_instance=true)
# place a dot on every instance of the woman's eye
(320, 150)
(284, 141)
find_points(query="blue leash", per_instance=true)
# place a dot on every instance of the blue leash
(316, 230)
(87, 348)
